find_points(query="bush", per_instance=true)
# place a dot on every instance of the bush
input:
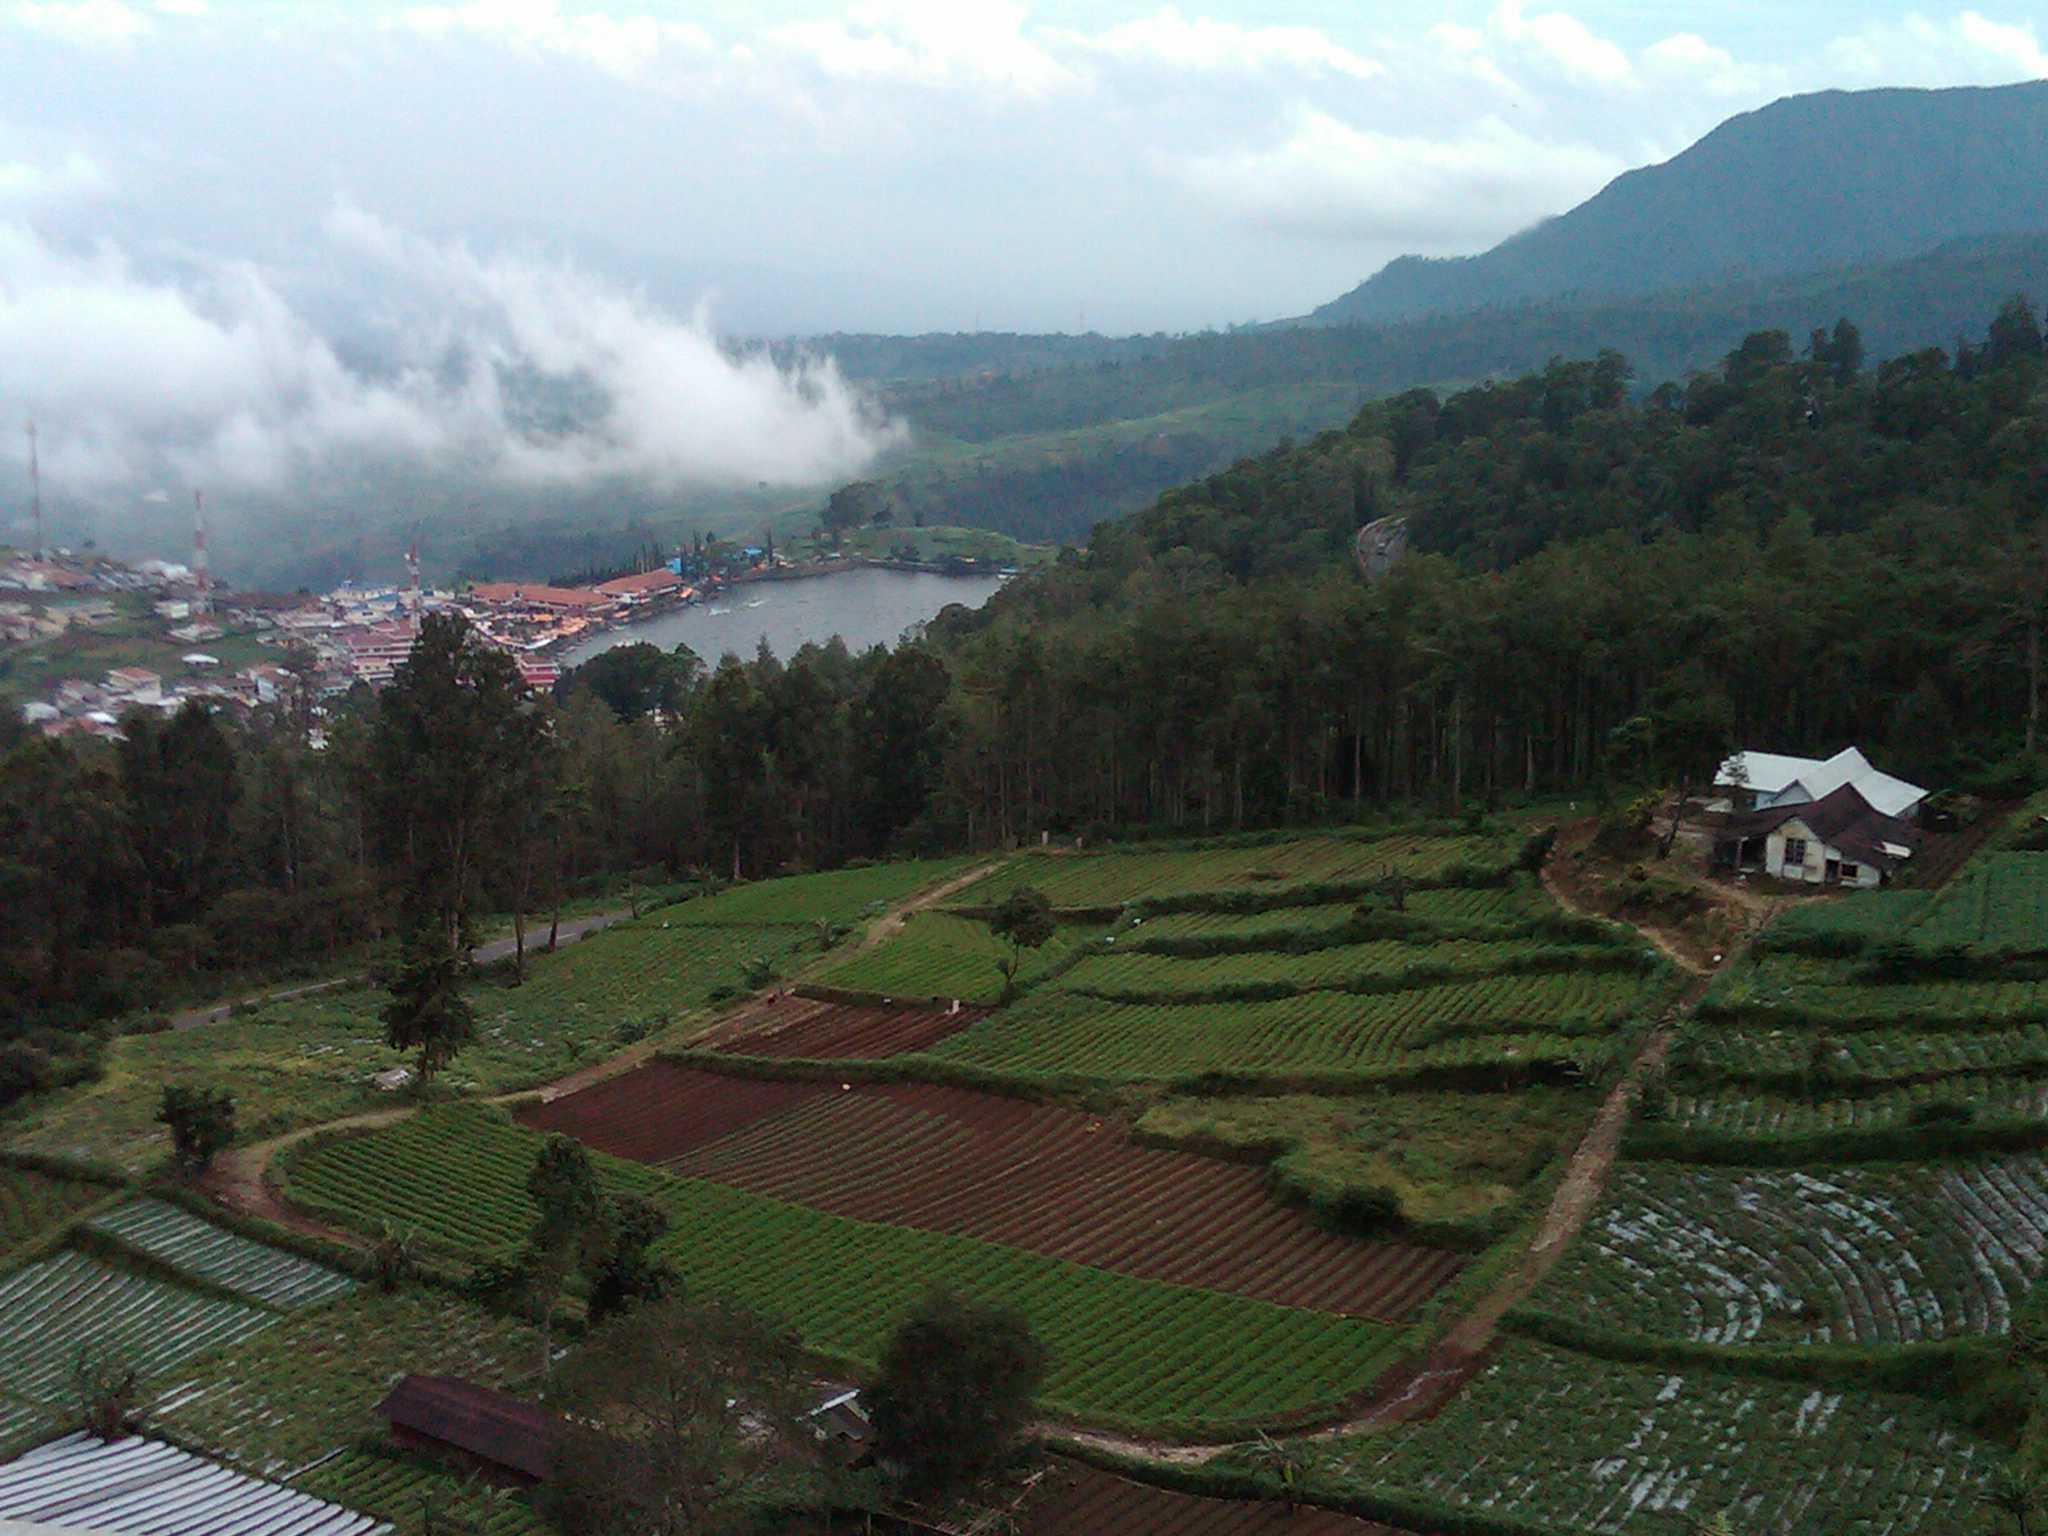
(202, 1122)
(1536, 850)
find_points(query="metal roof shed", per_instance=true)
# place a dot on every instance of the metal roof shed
(143, 1487)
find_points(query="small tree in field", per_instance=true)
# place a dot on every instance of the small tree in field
(202, 1122)
(1024, 921)
(955, 1389)
(569, 1228)
(107, 1387)
(427, 1013)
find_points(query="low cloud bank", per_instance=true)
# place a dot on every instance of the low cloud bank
(512, 369)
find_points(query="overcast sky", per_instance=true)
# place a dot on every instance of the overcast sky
(246, 187)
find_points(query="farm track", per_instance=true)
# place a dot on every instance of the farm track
(784, 1025)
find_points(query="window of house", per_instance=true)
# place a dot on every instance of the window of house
(1851, 874)
(1795, 850)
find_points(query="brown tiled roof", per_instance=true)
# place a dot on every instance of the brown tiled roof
(537, 593)
(646, 581)
(506, 1431)
(1842, 819)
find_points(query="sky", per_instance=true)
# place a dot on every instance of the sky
(237, 236)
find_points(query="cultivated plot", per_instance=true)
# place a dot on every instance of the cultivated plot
(1122, 1348)
(1050, 1180)
(843, 896)
(33, 1202)
(1852, 1256)
(198, 1248)
(792, 1026)
(940, 955)
(1577, 1444)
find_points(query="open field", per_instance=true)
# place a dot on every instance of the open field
(1049, 1180)
(844, 1283)
(941, 955)
(1999, 904)
(805, 1027)
(1506, 905)
(1124, 976)
(175, 1237)
(843, 896)
(1055, 1030)
(1585, 1445)
(280, 1400)
(1109, 879)
(1849, 1256)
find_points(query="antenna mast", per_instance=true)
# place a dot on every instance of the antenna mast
(35, 480)
(203, 603)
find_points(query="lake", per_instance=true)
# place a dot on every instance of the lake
(864, 607)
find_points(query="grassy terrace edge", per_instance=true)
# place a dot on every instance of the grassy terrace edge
(842, 1282)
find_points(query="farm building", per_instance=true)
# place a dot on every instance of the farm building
(1762, 781)
(1839, 839)
(81, 1483)
(504, 1438)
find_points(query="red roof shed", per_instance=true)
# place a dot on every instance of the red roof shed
(444, 1413)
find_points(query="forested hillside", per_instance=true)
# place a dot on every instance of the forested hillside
(1831, 179)
(1794, 552)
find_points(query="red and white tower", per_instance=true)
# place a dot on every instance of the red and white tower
(202, 582)
(412, 584)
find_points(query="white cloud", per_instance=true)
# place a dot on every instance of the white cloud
(216, 379)
(626, 46)
(76, 175)
(1207, 45)
(2015, 43)
(973, 44)
(1564, 41)
(183, 7)
(1686, 58)
(97, 23)
(1332, 179)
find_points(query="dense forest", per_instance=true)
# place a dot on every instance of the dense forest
(1607, 589)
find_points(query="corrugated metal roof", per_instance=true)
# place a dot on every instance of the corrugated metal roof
(142, 1487)
(505, 1430)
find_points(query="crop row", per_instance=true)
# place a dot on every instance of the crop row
(1855, 1256)
(1756, 1113)
(803, 1026)
(941, 955)
(198, 1248)
(1107, 879)
(51, 1308)
(1799, 986)
(284, 1398)
(418, 1498)
(1120, 1347)
(1578, 1444)
(1388, 960)
(1033, 1176)
(1805, 1057)
(1054, 1031)
(32, 1202)
(1999, 904)
(843, 896)
(1508, 905)
(1081, 1501)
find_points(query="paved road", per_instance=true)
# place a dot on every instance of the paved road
(484, 954)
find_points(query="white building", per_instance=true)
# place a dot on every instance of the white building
(1763, 780)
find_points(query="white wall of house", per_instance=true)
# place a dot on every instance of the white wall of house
(1792, 852)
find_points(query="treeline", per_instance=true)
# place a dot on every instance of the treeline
(1789, 552)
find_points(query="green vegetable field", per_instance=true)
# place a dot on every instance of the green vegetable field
(175, 1237)
(939, 954)
(458, 1175)
(32, 1202)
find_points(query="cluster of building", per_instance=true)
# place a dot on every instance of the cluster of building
(1817, 821)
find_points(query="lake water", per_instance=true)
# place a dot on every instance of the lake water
(864, 607)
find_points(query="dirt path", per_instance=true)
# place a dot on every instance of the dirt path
(1666, 945)
(890, 923)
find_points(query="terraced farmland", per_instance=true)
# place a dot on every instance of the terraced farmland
(1756, 1113)
(1049, 1180)
(1785, 1057)
(1998, 906)
(1851, 1256)
(842, 896)
(50, 1308)
(1109, 879)
(1518, 901)
(1140, 976)
(804, 1027)
(198, 1248)
(942, 955)
(844, 1283)
(32, 1202)
(1802, 986)
(1056, 1031)
(1576, 1444)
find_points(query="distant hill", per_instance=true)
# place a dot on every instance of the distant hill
(1834, 179)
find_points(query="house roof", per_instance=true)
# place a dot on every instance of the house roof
(646, 581)
(530, 592)
(1842, 819)
(133, 676)
(1772, 773)
(81, 1483)
(504, 1430)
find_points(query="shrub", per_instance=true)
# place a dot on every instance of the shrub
(202, 1122)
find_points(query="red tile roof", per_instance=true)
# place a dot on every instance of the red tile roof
(646, 581)
(539, 595)
(493, 1426)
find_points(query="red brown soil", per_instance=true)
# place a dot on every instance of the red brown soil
(1032, 1176)
(1082, 1501)
(1941, 854)
(800, 1026)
